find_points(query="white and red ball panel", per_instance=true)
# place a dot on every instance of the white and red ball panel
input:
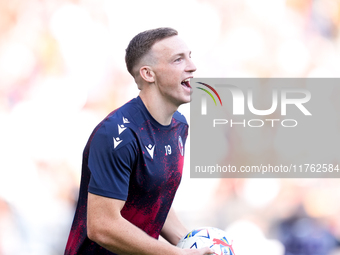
(207, 237)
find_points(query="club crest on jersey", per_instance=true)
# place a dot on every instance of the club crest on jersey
(116, 142)
(150, 149)
(180, 145)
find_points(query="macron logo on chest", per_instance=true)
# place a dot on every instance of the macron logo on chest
(150, 150)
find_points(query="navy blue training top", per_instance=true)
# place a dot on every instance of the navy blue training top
(131, 157)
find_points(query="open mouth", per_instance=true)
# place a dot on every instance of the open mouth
(186, 83)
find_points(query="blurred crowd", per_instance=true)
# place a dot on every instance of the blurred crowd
(62, 70)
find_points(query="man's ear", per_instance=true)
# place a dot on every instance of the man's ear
(147, 74)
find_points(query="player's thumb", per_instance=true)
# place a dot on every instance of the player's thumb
(207, 250)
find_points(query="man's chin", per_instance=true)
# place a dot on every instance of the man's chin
(186, 100)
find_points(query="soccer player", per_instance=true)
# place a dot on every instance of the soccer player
(133, 161)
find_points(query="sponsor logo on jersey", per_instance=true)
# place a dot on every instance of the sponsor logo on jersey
(150, 150)
(116, 142)
(125, 120)
(180, 145)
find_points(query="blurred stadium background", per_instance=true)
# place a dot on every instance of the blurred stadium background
(62, 70)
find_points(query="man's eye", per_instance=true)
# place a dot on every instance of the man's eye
(178, 59)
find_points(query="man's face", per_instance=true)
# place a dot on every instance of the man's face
(173, 69)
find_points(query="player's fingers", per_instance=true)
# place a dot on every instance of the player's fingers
(206, 251)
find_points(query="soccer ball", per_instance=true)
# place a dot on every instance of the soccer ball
(213, 238)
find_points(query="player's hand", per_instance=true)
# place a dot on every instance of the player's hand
(202, 251)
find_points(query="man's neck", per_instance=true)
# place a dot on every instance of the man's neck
(161, 111)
